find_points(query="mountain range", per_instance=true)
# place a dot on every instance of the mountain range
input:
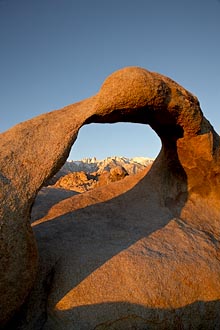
(89, 165)
(88, 173)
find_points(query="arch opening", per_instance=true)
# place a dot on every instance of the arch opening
(118, 139)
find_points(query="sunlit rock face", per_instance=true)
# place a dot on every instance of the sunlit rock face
(89, 173)
(140, 253)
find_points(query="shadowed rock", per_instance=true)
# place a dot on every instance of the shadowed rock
(31, 152)
(161, 232)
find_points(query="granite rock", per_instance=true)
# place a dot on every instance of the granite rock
(143, 253)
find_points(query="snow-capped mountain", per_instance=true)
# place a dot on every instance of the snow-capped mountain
(85, 174)
(90, 165)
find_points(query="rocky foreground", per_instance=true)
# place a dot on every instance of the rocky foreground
(139, 253)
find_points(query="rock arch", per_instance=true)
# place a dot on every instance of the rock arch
(32, 151)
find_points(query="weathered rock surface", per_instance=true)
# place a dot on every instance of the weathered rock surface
(143, 253)
(31, 152)
(77, 181)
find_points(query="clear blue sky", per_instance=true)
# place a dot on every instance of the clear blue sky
(57, 52)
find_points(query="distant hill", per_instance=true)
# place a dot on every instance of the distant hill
(88, 173)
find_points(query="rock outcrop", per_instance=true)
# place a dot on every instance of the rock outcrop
(142, 254)
(77, 181)
(95, 167)
(81, 181)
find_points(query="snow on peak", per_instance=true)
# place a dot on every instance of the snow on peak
(89, 165)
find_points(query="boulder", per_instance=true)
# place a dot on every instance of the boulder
(117, 173)
(82, 181)
(139, 253)
(77, 181)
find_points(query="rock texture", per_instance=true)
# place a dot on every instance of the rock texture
(31, 153)
(77, 181)
(143, 253)
(81, 181)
